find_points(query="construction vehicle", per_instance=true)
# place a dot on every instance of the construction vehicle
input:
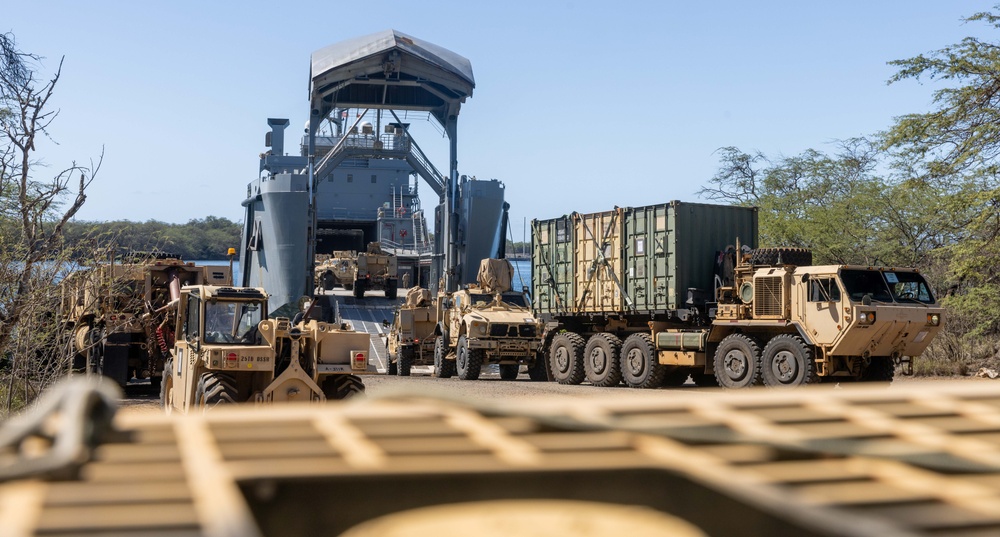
(227, 350)
(652, 295)
(119, 314)
(375, 269)
(336, 269)
(488, 323)
(411, 336)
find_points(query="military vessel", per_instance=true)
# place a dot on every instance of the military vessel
(357, 175)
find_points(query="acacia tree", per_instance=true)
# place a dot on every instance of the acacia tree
(33, 214)
(956, 148)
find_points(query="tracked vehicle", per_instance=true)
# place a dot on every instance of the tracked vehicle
(227, 350)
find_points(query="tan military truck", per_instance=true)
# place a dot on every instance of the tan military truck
(411, 338)
(120, 313)
(336, 269)
(654, 295)
(488, 323)
(227, 350)
(375, 269)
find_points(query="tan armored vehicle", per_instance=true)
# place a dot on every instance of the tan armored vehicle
(120, 314)
(412, 336)
(336, 269)
(228, 351)
(488, 324)
(375, 269)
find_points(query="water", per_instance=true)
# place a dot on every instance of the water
(219, 263)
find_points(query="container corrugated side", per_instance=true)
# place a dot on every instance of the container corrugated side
(673, 247)
(598, 287)
(552, 265)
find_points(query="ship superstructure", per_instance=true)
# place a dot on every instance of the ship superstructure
(356, 178)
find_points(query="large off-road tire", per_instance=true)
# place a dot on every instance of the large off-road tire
(337, 387)
(787, 361)
(391, 367)
(215, 389)
(390, 288)
(167, 385)
(640, 362)
(566, 358)
(509, 371)
(781, 256)
(359, 289)
(737, 362)
(348, 286)
(155, 383)
(880, 369)
(405, 361)
(600, 360)
(328, 281)
(443, 367)
(538, 371)
(468, 362)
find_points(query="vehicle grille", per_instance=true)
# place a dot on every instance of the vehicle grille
(526, 330)
(498, 330)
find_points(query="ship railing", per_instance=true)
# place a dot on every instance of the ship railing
(399, 248)
(343, 213)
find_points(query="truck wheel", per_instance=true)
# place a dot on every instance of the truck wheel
(509, 371)
(600, 360)
(390, 367)
(640, 363)
(348, 286)
(328, 281)
(155, 383)
(787, 361)
(781, 256)
(337, 387)
(390, 289)
(359, 290)
(737, 362)
(443, 367)
(567, 358)
(468, 362)
(405, 361)
(880, 369)
(214, 389)
(167, 386)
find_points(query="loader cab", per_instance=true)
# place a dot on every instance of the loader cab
(220, 316)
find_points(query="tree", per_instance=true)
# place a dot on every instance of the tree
(956, 148)
(33, 215)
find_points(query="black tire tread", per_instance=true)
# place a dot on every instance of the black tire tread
(339, 387)
(612, 346)
(509, 371)
(719, 355)
(809, 374)
(654, 371)
(788, 256)
(575, 344)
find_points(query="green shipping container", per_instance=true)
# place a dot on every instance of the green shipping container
(636, 260)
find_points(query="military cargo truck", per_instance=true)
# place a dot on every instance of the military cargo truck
(488, 323)
(336, 269)
(227, 350)
(375, 269)
(652, 295)
(411, 336)
(120, 313)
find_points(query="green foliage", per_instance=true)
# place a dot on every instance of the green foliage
(207, 238)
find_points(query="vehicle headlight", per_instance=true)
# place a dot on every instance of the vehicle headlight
(866, 317)
(477, 328)
(933, 319)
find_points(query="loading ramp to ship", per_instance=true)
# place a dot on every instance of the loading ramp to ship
(364, 315)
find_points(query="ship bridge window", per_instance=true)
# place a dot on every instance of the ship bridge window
(823, 290)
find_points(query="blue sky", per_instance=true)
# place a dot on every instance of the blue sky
(578, 106)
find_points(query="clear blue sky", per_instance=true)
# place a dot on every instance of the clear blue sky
(578, 105)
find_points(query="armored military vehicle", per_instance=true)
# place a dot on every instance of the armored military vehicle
(411, 336)
(375, 269)
(120, 313)
(336, 269)
(228, 351)
(488, 323)
(653, 295)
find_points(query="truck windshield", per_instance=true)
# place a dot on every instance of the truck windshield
(232, 321)
(886, 286)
